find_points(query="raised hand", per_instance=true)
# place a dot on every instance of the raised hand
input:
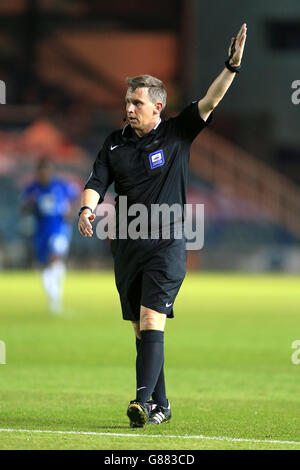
(236, 47)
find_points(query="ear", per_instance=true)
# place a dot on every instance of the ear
(158, 108)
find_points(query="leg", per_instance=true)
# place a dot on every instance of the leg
(150, 356)
(137, 332)
(159, 392)
(151, 320)
(161, 280)
(136, 327)
(53, 278)
(149, 333)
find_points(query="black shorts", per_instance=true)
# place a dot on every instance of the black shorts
(149, 273)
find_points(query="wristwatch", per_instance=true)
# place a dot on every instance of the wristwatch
(232, 68)
(83, 208)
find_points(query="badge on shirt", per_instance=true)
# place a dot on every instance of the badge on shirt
(156, 159)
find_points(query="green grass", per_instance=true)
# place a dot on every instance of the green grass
(228, 364)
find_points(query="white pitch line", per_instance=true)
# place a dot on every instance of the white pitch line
(200, 436)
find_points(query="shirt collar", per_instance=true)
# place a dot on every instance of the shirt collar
(128, 129)
(154, 128)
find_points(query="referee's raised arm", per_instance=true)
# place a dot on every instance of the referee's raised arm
(219, 87)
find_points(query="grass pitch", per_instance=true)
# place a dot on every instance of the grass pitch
(228, 365)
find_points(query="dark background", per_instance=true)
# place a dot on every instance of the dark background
(64, 64)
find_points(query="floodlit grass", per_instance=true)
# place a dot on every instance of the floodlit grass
(228, 364)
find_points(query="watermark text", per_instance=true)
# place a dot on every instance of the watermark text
(295, 358)
(296, 94)
(2, 92)
(2, 352)
(137, 221)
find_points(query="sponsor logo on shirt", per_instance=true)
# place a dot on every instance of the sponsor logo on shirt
(156, 159)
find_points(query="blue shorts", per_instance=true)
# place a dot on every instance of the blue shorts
(52, 243)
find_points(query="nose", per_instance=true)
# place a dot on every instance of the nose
(130, 108)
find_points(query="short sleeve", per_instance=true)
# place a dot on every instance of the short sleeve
(189, 122)
(101, 176)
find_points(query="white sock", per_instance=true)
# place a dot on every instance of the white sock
(53, 279)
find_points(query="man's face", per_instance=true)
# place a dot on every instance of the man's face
(141, 112)
(44, 174)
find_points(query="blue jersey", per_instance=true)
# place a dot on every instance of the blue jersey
(50, 205)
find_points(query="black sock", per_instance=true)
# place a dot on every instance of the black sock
(159, 392)
(149, 363)
(137, 343)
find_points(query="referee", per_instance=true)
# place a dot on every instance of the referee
(148, 162)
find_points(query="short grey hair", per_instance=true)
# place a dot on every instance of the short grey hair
(156, 88)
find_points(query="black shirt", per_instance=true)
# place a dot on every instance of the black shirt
(152, 169)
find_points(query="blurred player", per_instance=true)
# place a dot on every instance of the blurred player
(50, 199)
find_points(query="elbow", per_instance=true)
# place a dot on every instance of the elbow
(212, 101)
(213, 104)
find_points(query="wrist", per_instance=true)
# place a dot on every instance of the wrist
(85, 210)
(232, 68)
(234, 64)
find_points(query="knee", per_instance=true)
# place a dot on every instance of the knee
(136, 327)
(152, 320)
